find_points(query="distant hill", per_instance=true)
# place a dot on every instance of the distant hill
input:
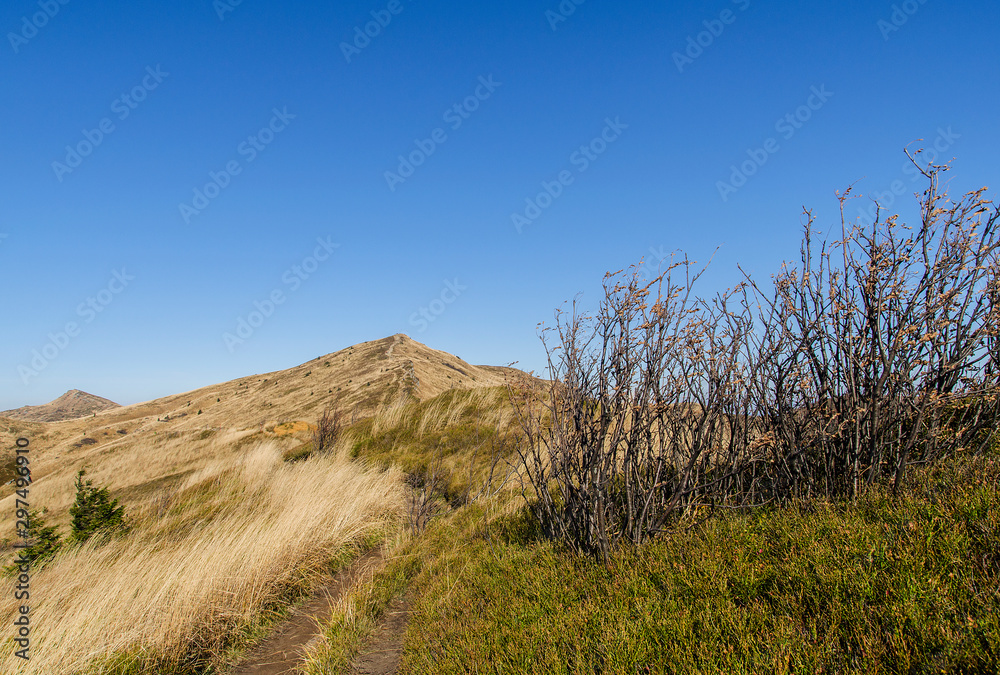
(70, 406)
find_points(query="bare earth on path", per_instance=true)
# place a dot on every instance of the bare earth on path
(381, 653)
(283, 651)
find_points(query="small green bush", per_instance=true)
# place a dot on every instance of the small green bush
(298, 453)
(45, 543)
(94, 511)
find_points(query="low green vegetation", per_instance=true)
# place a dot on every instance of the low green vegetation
(909, 584)
(298, 453)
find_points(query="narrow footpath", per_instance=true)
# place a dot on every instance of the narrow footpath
(282, 653)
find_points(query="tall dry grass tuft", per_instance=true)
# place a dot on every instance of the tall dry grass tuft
(391, 416)
(487, 405)
(204, 561)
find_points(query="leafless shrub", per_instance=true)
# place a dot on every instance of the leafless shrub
(647, 411)
(328, 428)
(879, 351)
(425, 490)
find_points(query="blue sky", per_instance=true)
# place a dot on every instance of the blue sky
(115, 114)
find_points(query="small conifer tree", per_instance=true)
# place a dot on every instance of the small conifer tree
(44, 543)
(94, 511)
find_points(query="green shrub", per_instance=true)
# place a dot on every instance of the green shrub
(298, 453)
(45, 543)
(94, 511)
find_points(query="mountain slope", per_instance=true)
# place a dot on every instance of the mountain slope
(357, 379)
(139, 449)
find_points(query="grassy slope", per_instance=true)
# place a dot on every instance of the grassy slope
(116, 445)
(454, 432)
(881, 586)
(209, 561)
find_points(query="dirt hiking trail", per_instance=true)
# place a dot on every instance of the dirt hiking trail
(283, 651)
(381, 652)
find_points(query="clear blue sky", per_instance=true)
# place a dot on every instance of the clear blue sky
(170, 94)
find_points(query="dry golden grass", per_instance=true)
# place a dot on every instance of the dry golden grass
(448, 411)
(206, 557)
